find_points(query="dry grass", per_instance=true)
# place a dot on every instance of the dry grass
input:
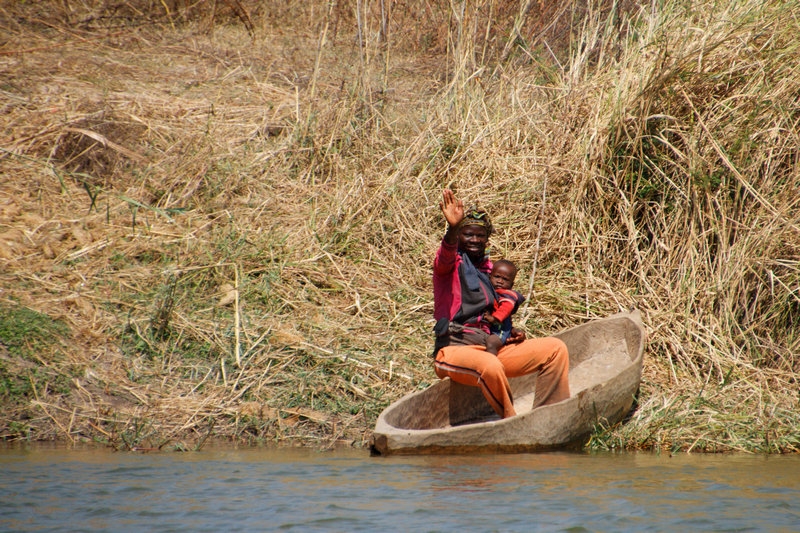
(235, 210)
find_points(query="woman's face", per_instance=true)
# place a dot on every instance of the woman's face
(472, 240)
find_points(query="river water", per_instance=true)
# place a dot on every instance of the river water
(258, 489)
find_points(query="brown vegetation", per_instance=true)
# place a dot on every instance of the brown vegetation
(217, 217)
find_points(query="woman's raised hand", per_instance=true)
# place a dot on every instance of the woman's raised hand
(452, 208)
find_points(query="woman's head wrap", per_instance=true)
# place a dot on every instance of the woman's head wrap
(477, 217)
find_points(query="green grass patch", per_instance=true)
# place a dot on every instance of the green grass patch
(29, 337)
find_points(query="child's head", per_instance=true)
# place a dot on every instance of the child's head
(503, 274)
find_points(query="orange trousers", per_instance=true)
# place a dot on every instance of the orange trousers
(474, 366)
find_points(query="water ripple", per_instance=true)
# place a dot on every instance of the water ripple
(299, 490)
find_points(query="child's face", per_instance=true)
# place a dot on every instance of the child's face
(502, 276)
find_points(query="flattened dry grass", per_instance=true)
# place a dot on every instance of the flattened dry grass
(235, 211)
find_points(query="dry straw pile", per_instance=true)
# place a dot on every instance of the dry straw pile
(217, 218)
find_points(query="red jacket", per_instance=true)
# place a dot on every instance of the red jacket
(507, 303)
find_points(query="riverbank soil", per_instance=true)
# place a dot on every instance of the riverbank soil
(217, 218)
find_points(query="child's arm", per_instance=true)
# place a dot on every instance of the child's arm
(504, 309)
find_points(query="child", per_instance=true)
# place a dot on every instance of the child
(502, 277)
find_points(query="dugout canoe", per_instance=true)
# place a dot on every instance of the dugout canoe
(605, 372)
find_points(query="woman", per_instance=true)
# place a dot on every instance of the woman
(462, 292)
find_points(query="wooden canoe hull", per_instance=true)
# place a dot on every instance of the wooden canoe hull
(605, 372)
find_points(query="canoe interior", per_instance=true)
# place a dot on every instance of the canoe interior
(598, 350)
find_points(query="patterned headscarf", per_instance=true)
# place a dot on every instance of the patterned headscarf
(477, 217)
